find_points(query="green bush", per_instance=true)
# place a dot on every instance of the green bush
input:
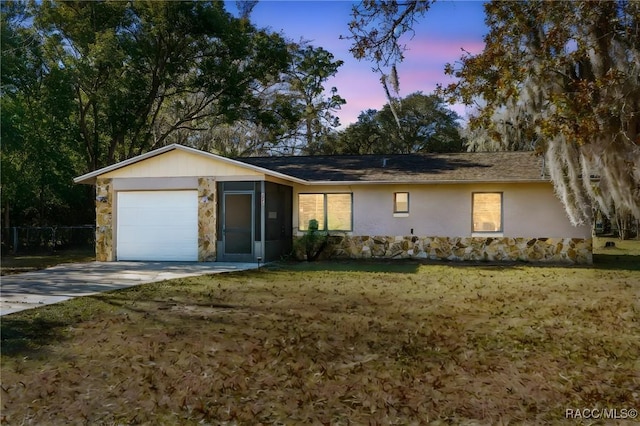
(314, 241)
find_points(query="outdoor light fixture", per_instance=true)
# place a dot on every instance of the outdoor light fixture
(102, 198)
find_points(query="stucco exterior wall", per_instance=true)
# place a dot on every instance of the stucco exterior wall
(529, 210)
(439, 225)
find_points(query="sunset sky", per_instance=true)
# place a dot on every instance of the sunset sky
(446, 29)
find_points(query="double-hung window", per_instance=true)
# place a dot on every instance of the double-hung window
(334, 212)
(487, 212)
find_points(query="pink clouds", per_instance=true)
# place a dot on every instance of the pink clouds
(439, 36)
(422, 70)
(442, 49)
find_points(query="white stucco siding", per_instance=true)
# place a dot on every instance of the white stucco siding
(534, 210)
(529, 210)
(432, 211)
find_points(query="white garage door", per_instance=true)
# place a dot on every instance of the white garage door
(157, 225)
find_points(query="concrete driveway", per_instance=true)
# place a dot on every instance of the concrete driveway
(62, 282)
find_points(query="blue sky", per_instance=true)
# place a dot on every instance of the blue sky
(448, 27)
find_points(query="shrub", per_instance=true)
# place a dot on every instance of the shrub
(313, 242)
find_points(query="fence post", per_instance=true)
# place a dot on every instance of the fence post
(15, 240)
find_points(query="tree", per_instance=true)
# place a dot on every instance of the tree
(311, 67)
(362, 137)
(565, 76)
(426, 125)
(562, 77)
(291, 112)
(39, 151)
(86, 84)
(143, 70)
(377, 29)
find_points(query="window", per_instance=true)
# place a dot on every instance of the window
(310, 206)
(401, 202)
(487, 212)
(339, 212)
(332, 211)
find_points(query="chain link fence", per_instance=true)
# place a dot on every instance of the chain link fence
(47, 239)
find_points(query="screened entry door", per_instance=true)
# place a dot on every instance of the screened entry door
(238, 227)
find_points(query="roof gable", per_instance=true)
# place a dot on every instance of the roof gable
(177, 160)
(179, 163)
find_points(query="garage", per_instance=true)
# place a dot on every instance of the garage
(157, 225)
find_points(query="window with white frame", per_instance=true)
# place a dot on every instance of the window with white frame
(487, 211)
(334, 212)
(401, 202)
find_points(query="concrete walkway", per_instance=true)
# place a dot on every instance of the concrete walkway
(62, 282)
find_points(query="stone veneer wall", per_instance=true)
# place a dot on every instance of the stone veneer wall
(560, 250)
(104, 220)
(206, 219)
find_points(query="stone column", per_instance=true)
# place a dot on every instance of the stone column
(104, 220)
(207, 202)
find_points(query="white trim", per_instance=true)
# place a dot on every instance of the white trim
(419, 182)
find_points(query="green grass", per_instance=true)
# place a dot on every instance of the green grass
(14, 264)
(624, 254)
(333, 343)
(621, 247)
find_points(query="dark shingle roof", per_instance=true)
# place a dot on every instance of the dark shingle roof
(407, 168)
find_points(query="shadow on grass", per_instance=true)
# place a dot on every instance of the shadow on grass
(22, 335)
(15, 264)
(601, 261)
(395, 266)
(616, 262)
(29, 332)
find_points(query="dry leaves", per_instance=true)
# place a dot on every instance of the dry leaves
(442, 345)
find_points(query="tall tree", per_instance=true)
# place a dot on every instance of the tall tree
(39, 147)
(426, 126)
(376, 30)
(132, 62)
(365, 136)
(311, 67)
(291, 111)
(562, 77)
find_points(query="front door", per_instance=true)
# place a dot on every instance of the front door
(238, 226)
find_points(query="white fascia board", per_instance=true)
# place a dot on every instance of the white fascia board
(425, 182)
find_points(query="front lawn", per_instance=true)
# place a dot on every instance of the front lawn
(16, 264)
(333, 343)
